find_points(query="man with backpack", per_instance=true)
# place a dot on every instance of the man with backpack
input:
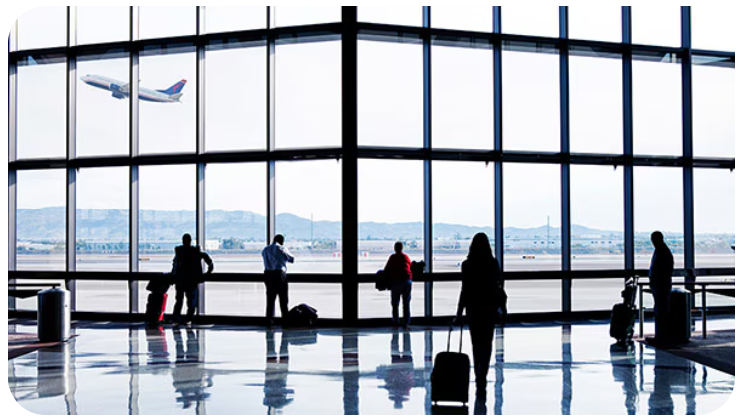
(188, 273)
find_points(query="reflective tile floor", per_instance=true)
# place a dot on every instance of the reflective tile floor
(549, 368)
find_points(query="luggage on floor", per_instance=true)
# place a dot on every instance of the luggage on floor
(451, 374)
(679, 320)
(623, 315)
(156, 307)
(302, 315)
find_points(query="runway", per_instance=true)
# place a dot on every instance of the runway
(248, 299)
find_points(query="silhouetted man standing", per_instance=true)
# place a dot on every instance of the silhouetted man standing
(187, 269)
(276, 258)
(660, 281)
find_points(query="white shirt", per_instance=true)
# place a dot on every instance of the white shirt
(276, 257)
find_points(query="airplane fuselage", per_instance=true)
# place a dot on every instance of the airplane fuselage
(120, 89)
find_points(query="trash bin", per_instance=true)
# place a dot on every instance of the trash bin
(680, 316)
(53, 315)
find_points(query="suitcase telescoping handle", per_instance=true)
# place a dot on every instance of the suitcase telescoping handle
(460, 348)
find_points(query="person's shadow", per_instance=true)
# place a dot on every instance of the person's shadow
(276, 393)
(190, 379)
(399, 375)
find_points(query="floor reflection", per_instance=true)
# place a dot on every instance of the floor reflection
(623, 361)
(399, 375)
(276, 393)
(384, 371)
(672, 375)
(190, 379)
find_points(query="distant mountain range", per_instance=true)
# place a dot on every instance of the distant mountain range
(112, 225)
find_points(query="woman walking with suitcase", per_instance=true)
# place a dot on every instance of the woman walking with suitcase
(481, 295)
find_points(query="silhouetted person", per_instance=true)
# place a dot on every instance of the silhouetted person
(189, 376)
(398, 271)
(276, 394)
(480, 293)
(660, 281)
(276, 258)
(187, 269)
(399, 376)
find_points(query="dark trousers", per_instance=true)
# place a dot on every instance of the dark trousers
(192, 298)
(401, 291)
(482, 335)
(661, 312)
(276, 286)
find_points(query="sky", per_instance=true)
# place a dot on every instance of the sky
(308, 113)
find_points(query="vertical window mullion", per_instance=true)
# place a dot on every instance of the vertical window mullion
(70, 248)
(566, 234)
(134, 170)
(350, 226)
(498, 166)
(427, 131)
(689, 251)
(271, 190)
(628, 143)
(12, 174)
(200, 140)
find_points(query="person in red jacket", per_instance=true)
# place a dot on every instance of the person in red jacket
(398, 271)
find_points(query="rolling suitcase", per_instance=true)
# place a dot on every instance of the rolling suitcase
(679, 320)
(156, 307)
(451, 374)
(623, 315)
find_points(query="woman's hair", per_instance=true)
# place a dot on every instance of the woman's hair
(480, 248)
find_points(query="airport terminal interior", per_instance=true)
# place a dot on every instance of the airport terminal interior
(297, 146)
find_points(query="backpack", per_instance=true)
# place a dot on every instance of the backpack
(417, 269)
(302, 315)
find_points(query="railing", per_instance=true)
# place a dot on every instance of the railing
(730, 283)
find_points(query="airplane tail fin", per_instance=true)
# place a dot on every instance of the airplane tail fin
(175, 89)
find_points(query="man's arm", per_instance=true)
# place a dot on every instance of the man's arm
(208, 260)
(175, 259)
(288, 257)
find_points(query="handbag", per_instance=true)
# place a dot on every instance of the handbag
(382, 282)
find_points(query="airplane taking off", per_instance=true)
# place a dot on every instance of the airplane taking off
(120, 90)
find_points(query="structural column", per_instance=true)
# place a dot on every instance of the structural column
(349, 212)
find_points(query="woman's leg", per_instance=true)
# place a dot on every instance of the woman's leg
(482, 335)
